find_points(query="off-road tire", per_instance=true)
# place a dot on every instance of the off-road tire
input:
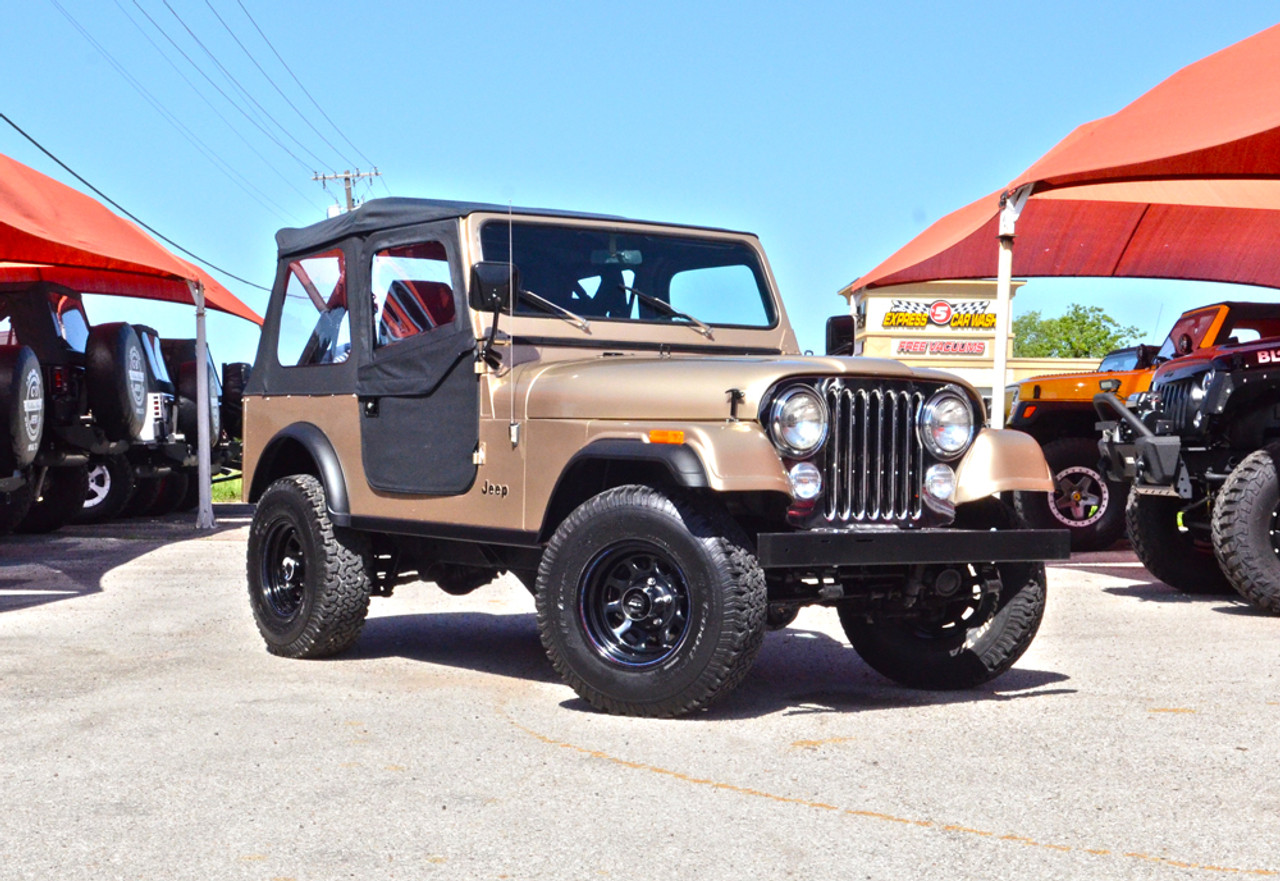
(1073, 462)
(191, 498)
(639, 544)
(13, 507)
(971, 642)
(1245, 524)
(309, 581)
(188, 411)
(173, 489)
(61, 498)
(1169, 553)
(116, 377)
(145, 492)
(22, 408)
(110, 483)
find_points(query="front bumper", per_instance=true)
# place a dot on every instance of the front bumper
(887, 547)
(1135, 454)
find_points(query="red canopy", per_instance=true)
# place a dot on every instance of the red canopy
(1179, 184)
(88, 248)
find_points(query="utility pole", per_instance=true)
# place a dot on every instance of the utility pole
(346, 177)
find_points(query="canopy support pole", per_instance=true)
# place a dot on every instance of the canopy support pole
(204, 468)
(1011, 205)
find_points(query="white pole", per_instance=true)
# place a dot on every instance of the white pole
(204, 468)
(1011, 205)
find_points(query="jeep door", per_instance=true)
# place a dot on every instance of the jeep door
(417, 385)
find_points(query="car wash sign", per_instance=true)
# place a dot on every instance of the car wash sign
(934, 315)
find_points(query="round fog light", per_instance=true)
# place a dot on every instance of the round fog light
(940, 482)
(806, 481)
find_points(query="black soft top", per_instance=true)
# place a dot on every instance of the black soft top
(380, 214)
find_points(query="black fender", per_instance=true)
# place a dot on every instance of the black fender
(677, 461)
(282, 450)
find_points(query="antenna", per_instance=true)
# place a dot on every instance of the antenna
(513, 428)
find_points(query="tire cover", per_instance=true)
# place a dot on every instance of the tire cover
(23, 405)
(187, 403)
(117, 377)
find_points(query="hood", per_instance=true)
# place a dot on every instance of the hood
(682, 389)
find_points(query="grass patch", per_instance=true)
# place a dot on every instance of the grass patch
(228, 491)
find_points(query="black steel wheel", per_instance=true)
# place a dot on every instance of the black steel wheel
(635, 604)
(309, 583)
(650, 603)
(980, 633)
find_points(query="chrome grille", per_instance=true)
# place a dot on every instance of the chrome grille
(875, 461)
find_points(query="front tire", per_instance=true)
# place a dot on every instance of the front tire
(1246, 526)
(650, 604)
(1170, 551)
(309, 583)
(1082, 500)
(977, 636)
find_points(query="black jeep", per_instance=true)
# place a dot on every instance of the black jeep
(1199, 449)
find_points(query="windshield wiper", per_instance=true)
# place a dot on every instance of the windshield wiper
(548, 306)
(667, 309)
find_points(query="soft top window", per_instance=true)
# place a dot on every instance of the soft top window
(412, 292)
(618, 274)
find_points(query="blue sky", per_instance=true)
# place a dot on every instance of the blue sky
(836, 131)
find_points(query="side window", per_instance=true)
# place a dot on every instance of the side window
(412, 292)
(314, 326)
(72, 324)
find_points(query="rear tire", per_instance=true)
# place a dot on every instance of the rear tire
(309, 582)
(173, 489)
(1082, 500)
(145, 492)
(973, 639)
(61, 498)
(110, 484)
(1246, 517)
(1172, 553)
(13, 507)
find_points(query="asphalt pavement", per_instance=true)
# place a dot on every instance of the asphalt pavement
(147, 734)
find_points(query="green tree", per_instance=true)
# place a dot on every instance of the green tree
(1082, 332)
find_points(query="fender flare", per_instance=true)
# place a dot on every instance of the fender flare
(328, 467)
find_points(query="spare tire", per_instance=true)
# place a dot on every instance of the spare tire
(22, 407)
(116, 374)
(187, 424)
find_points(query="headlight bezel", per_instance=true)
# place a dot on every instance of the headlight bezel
(946, 395)
(777, 430)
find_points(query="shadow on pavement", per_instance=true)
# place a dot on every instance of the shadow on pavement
(72, 561)
(797, 671)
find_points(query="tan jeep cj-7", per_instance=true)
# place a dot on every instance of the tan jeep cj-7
(617, 413)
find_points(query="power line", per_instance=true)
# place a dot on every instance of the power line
(237, 84)
(239, 180)
(217, 87)
(314, 102)
(210, 104)
(129, 214)
(268, 78)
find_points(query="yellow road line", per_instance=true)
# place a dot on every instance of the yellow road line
(870, 815)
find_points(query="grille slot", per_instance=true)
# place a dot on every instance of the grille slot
(875, 461)
(1175, 401)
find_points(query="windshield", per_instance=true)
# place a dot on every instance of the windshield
(1124, 359)
(1187, 333)
(598, 273)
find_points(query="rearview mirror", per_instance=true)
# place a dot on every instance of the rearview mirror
(492, 286)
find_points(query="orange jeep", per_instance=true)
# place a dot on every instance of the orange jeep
(1057, 411)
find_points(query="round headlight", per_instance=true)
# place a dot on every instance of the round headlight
(946, 424)
(798, 422)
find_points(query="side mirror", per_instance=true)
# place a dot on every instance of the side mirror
(840, 335)
(492, 284)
